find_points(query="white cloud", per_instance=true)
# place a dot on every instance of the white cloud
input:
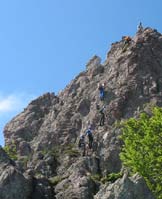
(11, 105)
(14, 102)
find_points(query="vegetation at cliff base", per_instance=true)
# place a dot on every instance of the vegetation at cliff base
(11, 151)
(142, 148)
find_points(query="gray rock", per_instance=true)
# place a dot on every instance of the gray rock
(12, 183)
(42, 189)
(125, 188)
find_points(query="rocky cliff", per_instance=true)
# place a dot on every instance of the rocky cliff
(47, 163)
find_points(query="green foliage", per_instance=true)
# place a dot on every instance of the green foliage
(54, 152)
(112, 177)
(66, 186)
(55, 180)
(117, 124)
(142, 149)
(11, 151)
(71, 151)
(96, 177)
(125, 47)
(25, 160)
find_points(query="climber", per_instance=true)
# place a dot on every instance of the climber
(127, 41)
(102, 117)
(102, 91)
(95, 146)
(81, 144)
(140, 27)
(90, 137)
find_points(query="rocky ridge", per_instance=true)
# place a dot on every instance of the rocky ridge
(48, 164)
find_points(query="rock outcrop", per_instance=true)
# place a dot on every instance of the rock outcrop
(49, 164)
(13, 183)
(125, 188)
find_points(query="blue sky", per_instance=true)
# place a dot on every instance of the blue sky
(45, 44)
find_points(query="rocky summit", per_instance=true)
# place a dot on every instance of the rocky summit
(41, 158)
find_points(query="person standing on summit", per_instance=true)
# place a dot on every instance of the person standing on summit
(101, 88)
(140, 27)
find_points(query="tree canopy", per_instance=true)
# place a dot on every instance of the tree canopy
(142, 148)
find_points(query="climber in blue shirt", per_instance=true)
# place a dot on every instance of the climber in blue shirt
(102, 91)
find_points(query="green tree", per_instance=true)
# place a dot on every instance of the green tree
(142, 149)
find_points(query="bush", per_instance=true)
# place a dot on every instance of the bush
(55, 180)
(71, 151)
(54, 152)
(96, 177)
(11, 151)
(142, 149)
(25, 160)
(112, 177)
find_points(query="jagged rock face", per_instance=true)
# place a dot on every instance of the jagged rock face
(125, 188)
(12, 183)
(45, 133)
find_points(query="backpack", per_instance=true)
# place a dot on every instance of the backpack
(88, 132)
(81, 143)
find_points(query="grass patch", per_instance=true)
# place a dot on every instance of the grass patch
(54, 152)
(55, 180)
(112, 177)
(96, 177)
(71, 151)
(11, 151)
